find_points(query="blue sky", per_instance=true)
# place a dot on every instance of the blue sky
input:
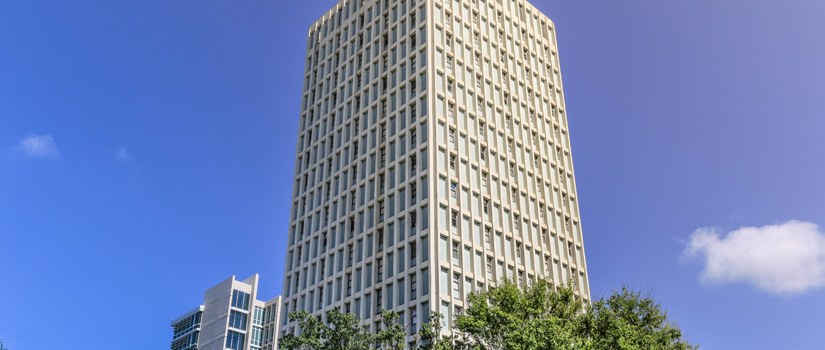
(146, 154)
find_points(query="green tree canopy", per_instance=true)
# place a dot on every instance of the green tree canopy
(342, 332)
(431, 337)
(507, 317)
(544, 317)
(629, 320)
(393, 336)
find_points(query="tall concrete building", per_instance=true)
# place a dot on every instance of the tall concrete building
(433, 159)
(231, 317)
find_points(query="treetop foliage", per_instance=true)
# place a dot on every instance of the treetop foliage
(507, 317)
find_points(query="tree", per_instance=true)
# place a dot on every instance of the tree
(543, 317)
(343, 332)
(430, 336)
(2, 347)
(393, 335)
(628, 320)
(509, 318)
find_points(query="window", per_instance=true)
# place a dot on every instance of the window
(412, 164)
(379, 268)
(413, 287)
(413, 192)
(452, 161)
(234, 340)
(454, 219)
(453, 190)
(378, 297)
(414, 221)
(259, 316)
(237, 320)
(413, 254)
(257, 334)
(240, 299)
(413, 320)
(455, 253)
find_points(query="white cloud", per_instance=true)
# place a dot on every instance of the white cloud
(787, 258)
(38, 146)
(121, 154)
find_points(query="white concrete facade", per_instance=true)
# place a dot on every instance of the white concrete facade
(433, 159)
(231, 317)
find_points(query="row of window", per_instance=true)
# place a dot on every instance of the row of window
(188, 324)
(561, 274)
(257, 336)
(341, 16)
(373, 79)
(269, 334)
(408, 165)
(327, 140)
(521, 193)
(322, 96)
(270, 313)
(526, 141)
(481, 263)
(258, 316)
(526, 213)
(397, 260)
(188, 342)
(309, 250)
(327, 57)
(391, 294)
(551, 244)
(378, 211)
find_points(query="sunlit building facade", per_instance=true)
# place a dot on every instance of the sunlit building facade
(231, 317)
(433, 160)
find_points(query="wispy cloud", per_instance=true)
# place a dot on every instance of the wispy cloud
(37, 146)
(787, 258)
(121, 154)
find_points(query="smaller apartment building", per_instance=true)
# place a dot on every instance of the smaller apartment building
(231, 317)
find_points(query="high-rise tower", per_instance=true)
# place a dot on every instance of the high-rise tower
(433, 159)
